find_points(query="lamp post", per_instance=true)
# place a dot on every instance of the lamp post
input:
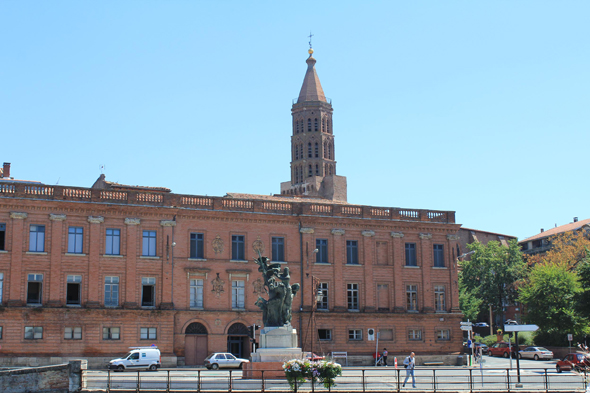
(316, 296)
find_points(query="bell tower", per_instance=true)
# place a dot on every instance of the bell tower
(313, 160)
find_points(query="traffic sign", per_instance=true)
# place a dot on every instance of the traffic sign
(520, 328)
(466, 323)
(468, 328)
(570, 337)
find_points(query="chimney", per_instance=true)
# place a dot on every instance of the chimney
(6, 170)
(542, 230)
(575, 219)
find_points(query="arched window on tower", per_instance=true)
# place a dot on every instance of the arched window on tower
(325, 149)
(317, 169)
(296, 152)
(330, 168)
(317, 150)
(324, 124)
(316, 124)
(309, 150)
(310, 173)
(328, 129)
(296, 176)
(309, 125)
(329, 151)
(297, 126)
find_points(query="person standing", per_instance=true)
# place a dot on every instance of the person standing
(385, 357)
(409, 364)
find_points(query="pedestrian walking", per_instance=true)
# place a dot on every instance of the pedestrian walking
(385, 357)
(409, 364)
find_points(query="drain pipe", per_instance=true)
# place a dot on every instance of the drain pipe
(302, 282)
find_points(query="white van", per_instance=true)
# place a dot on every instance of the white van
(138, 358)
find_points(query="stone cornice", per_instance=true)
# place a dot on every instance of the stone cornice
(453, 237)
(398, 235)
(57, 217)
(132, 221)
(95, 219)
(306, 230)
(18, 215)
(425, 236)
(338, 232)
(368, 233)
(168, 223)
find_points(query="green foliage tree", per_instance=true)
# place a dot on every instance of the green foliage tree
(490, 275)
(551, 293)
(470, 304)
(583, 271)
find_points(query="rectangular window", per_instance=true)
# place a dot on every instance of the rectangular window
(438, 255)
(197, 251)
(237, 294)
(355, 334)
(196, 293)
(439, 298)
(34, 288)
(37, 238)
(73, 289)
(411, 254)
(33, 332)
(443, 334)
(0, 332)
(322, 296)
(73, 333)
(322, 254)
(237, 248)
(352, 294)
(75, 240)
(415, 334)
(352, 252)
(1, 286)
(148, 333)
(325, 334)
(113, 242)
(149, 244)
(111, 291)
(111, 333)
(148, 291)
(412, 297)
(2, 236)
(278, 249)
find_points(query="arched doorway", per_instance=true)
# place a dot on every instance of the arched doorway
(238, 340)
(195, 344)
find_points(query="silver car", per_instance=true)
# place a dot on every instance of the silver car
(223, 360)
(535, 353)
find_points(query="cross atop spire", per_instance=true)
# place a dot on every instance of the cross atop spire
(310, 35)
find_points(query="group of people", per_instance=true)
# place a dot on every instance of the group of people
(409, 364)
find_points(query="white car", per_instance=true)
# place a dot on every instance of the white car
(535, 353)
(223, 360)
(138, 358)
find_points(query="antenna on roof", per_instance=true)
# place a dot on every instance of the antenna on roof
(57, 182)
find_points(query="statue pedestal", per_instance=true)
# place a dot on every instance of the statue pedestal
(277, 345)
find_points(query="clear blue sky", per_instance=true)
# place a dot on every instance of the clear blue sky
(477, 107)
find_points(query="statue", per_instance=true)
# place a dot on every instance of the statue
(276, 311)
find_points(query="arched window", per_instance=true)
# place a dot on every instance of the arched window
(324, 124)
(237, 329)
(330, 170)
(316, 124)
(325, 149)
(296, 152)
(310, 174)
(317, 169)
(317, 150)
(309, 150)
(195, 328)
(309, 125)
(328, 130)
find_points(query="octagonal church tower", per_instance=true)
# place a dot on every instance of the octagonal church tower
(313, 159)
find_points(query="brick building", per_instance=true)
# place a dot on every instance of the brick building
(91, 271)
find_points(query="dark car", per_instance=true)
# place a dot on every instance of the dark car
(576, 361)
(502, 349)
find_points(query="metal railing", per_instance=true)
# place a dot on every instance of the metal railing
(373, 380)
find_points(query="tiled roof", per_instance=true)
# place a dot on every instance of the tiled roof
(311, 90)
(128, 187)
(487, 232)
(572, 226)
(286, 198)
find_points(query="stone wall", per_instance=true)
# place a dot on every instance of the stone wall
(62, 378)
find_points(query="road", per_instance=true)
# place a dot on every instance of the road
(494, 374)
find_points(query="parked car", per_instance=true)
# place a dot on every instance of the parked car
(223, 360)
(313, 357)
(572, 361)
(501, 349)
(484, 348)
(138, 358)
(535, 353)
(481, 324)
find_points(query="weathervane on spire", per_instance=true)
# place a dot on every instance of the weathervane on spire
(310, 35)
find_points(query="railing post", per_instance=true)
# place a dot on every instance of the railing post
(262, 378)
(471, 380)
(198, 381)
(137, 388)
(434, 379)
(363, 380)
(546, 381)
(109, 381)
(230, 371)
(508, 378)
(168, 381)
(398, 385)
(585, 380)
